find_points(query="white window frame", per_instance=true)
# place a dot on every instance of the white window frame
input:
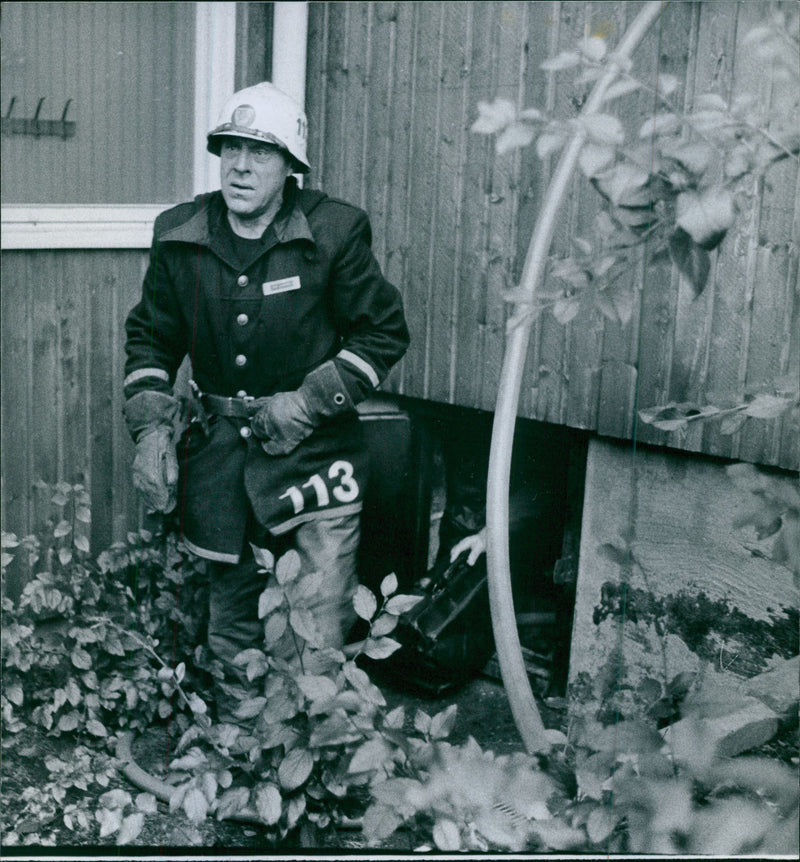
(94, 226)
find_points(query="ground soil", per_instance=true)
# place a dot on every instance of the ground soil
(483, 713)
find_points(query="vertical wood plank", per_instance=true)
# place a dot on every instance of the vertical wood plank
(47, 416)
(73, 360)
(317, 90)
(713, 66)
(101, 293)
(422, 189)
(467, 365)
(548, 358)
(672, 50)
(15, 353)
(397, 243)
(444, 258)
(502, 188)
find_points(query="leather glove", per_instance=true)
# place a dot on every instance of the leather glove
(150, 417)
(155, 469)
(282, 421)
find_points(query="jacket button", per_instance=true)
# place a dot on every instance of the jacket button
(241, 394)
(243, 281)
(338, 398)
(241, 360)
(245, 431)
(242, 319)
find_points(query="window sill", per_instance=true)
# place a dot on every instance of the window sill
(76, 226)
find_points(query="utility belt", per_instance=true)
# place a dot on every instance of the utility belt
(204, 403)
(220, 405)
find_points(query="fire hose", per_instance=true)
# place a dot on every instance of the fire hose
(509, 650)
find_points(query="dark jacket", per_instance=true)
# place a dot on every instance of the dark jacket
(311, 291)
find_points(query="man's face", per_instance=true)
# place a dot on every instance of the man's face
(252, 175)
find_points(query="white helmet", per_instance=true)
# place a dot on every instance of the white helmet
(263, 113)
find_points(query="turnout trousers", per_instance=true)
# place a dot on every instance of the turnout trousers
(327, 545)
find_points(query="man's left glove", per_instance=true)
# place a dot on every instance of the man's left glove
(155, 469)
(151, 417)
(282, 421)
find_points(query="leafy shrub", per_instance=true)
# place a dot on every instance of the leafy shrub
(670, 190)
(79, 658)
(79, 644)
(316, 733)
(611, 788)
(83, 660)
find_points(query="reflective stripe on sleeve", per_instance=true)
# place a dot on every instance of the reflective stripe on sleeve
(360, 364)
(141, 373)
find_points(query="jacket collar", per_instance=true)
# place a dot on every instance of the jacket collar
(204, 227)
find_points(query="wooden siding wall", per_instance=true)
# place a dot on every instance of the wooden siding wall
(62, 332)
(392, 91)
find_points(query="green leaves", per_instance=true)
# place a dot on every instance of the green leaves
(676, 416)
(364, 603)
(693, 261)
(295, 769)
(317, 688)
(372, 756)
(268, 803)
(380, 821)
(603, 129)
(380, 648)
(446, 835)
(81, 659)
(96, 728)
(402, 604)
(624, 185)
(705, 216)
(494, 116)
(287, 568)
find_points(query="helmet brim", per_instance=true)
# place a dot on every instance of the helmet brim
(229, 130)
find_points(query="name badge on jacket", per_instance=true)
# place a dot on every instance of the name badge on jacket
(268, 288)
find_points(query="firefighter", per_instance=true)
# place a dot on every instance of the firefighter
(273, 293)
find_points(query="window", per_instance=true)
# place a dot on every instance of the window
(141, 82)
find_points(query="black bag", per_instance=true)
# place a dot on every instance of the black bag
(447, 637)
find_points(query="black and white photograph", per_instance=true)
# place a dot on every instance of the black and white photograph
(400, 429)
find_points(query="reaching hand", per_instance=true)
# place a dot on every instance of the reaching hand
(476, 544)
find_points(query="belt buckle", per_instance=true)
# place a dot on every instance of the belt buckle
(245, 401)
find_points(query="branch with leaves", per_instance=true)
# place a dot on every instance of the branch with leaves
(676, 185)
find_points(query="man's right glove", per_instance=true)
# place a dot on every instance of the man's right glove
(150, 417)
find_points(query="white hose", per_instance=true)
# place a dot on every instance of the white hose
(501, 602)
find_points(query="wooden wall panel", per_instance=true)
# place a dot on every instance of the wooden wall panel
(62, 367)
(393, 89)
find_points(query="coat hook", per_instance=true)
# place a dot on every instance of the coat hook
(64, 119)
(38, 108)
(10, 107)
